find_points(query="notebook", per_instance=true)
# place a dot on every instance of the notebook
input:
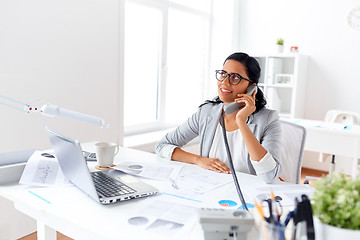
(106, 186)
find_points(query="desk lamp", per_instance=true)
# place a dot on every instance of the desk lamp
(12, 164)
(53, 111)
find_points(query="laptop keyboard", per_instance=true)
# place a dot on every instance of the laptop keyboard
(108, 186)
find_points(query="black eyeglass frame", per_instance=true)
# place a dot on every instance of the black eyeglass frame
(230, 77)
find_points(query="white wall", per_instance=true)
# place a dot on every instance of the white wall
(65, 53)
(320, 29)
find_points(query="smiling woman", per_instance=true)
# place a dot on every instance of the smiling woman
(253, 131)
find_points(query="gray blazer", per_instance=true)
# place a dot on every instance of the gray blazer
(264, 124)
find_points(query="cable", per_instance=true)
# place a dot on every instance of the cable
(233, 173)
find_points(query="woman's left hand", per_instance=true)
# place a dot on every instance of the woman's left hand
(248, 109)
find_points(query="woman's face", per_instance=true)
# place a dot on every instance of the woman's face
(228, 92)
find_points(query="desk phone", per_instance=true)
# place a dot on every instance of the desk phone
(219, 223)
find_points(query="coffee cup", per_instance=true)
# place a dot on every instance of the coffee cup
(105, 153)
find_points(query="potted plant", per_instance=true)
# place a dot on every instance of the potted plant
(280, 45)
(336, 204)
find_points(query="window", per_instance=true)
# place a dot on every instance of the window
(169, 47)
(142, 56)
(187, 48)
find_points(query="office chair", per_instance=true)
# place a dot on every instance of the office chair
(336, 116)
(292, 143)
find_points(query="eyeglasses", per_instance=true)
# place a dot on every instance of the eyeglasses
(234, 78)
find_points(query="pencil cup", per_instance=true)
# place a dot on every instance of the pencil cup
(105, 153)
(269, 231)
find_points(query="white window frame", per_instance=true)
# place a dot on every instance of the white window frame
(164, 6)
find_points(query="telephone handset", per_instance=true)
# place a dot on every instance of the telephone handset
(232, 107)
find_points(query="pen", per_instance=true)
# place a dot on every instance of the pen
(273, 198)
(261, 213)
(173, 183)
(289, 216)
(347, 127)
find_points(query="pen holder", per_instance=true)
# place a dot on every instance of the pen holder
(280, 232)
(271, 231)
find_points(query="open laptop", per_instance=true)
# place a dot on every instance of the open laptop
(104, 186)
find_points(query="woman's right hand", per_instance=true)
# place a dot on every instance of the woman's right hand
(212, 164)
(204, 162)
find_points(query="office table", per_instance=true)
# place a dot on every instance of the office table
(71, 212)
(332, 138)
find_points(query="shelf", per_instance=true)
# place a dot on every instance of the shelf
(284, 115)
(284, 82)
(279, 85)
(279, 55)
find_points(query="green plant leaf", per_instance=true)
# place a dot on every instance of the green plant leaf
(336, 201)
(280, 41)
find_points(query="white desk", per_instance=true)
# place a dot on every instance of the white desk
(69, 211)
(332, 138)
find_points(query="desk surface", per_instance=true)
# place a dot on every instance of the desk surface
(74, 214)
(332, 138)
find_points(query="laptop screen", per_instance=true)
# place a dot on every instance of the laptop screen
(72, 162)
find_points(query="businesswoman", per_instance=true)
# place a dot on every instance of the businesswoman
(253, 131)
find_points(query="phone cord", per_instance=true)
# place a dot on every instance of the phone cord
(233, 173)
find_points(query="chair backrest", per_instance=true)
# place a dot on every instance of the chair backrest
(339, 116)
(293, 141)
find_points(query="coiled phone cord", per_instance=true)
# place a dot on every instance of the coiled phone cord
(233, 173)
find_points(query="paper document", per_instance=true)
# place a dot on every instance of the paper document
(161, 218)
(202, 180)
(150, 170)
(42, 169)
(287, 192)
(322, 124)
(229, 197)
(194, 186)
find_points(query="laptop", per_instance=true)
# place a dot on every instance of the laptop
(103, 186)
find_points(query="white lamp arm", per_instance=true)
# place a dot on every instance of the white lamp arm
(11, 103)
(53, 111)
